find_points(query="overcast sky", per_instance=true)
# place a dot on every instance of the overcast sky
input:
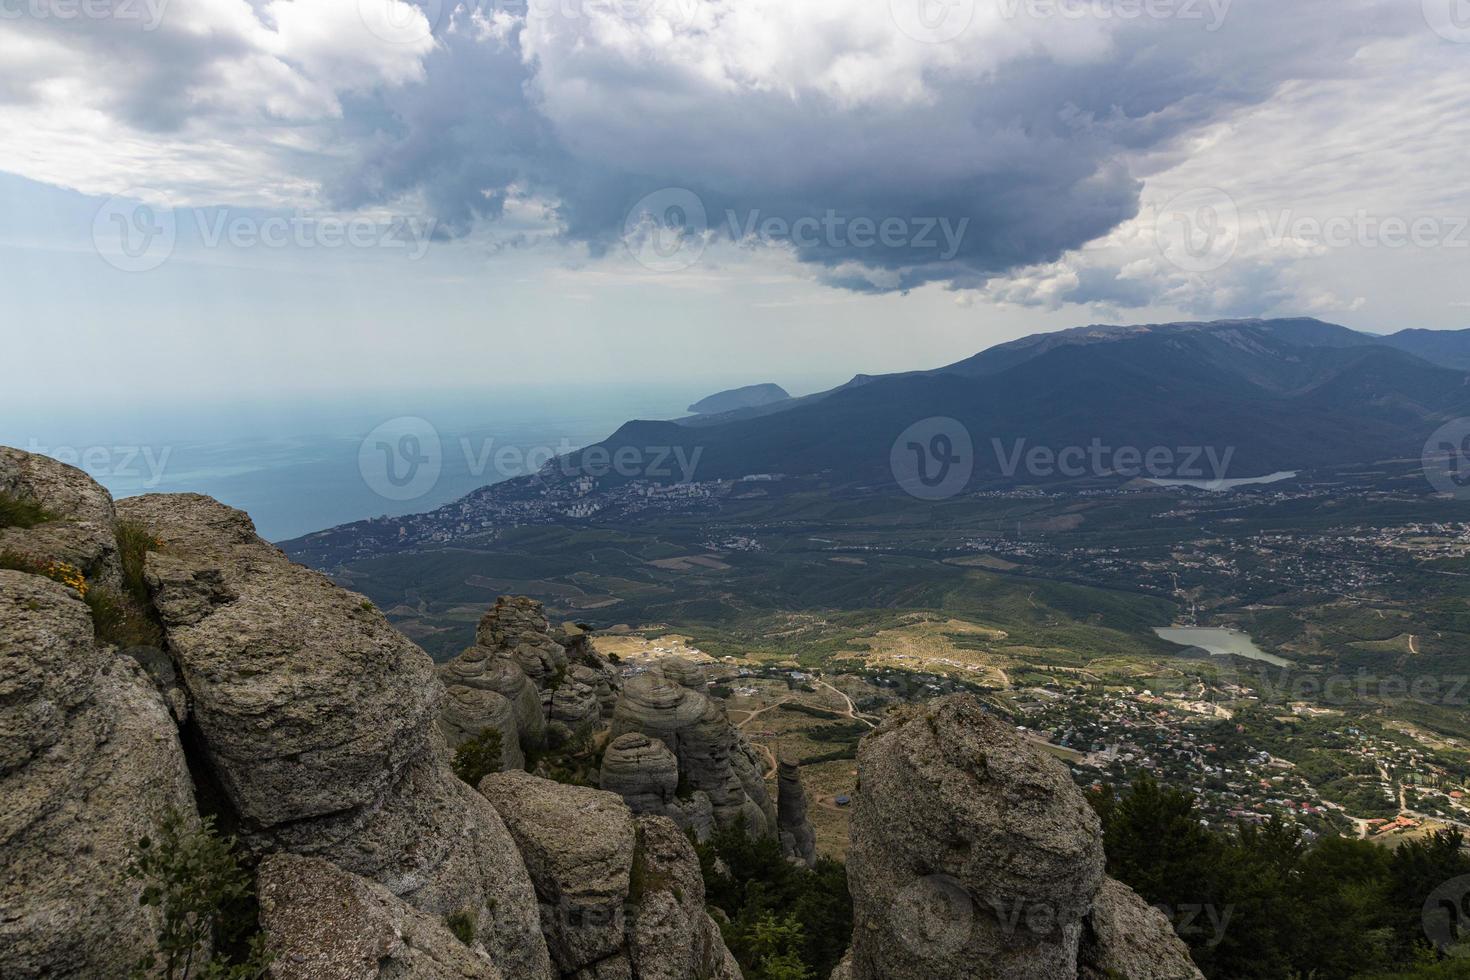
(249, 195)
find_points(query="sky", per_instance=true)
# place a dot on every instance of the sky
(207, 199)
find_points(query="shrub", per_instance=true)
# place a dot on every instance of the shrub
(462, 924)
(479, 757)
(193, 877)
(21, 512)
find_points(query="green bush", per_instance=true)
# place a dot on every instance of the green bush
(205, 900)
(479, 757)
(21, 512)
(782, 921)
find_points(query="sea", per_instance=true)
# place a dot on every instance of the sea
(302, 463)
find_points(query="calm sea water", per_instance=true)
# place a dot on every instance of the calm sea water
(302, 464)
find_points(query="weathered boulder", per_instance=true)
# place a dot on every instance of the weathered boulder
(645, 774)
(485, 669)
(578, 846)
(604, 684)
(642, 771)
(671, 936)
(79, 532)
(619, 896)
(323, 923)
(89, 763)
(969, 846)
(798, 839)
(684, 672)
(517, 626)
(575, 706)
(1127, 937)
(712, 756)
(469, 711)
(318, 720)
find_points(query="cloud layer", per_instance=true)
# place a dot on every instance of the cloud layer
(842, 132)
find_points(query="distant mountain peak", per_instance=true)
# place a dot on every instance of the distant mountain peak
(734, 399)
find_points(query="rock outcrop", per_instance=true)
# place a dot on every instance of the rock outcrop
(322, 922)
(484, 669)
(80, 533)
(620, 896)
(1127, 937)
(798, 839)
(970, 846)
(645, 774)
(468, 711)
(320, 735)
(90, 759)
(712, 756)
(517, 627)
(318, 720)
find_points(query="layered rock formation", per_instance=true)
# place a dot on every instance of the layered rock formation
(620, 897)
(645, 774)
(317, 718)
(89, 763)
(517, 627)
(495, 672)
(798, 839)
(713, 758)
(970, 847)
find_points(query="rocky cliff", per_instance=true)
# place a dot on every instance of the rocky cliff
(314, 731)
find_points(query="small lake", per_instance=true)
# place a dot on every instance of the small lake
(1219, 641)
